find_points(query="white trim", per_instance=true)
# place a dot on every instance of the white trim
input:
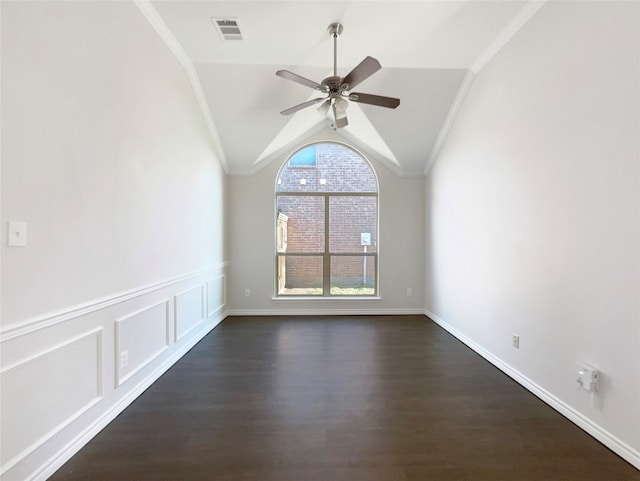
(456, 105)
(507, 33)
(165, 34)
(309, 137)
(325, 254)
(325, 312)
(36, 323)
(120, 380)
(203, 294)
(70, 419)
(50, 350)
(325, 298)
(598, 432)
(209, 282)
(64, 454)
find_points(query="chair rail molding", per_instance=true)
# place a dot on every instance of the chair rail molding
(47, 320)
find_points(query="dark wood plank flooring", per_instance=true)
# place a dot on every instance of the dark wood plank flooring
(380, 398)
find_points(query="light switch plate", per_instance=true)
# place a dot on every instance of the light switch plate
(17, 236)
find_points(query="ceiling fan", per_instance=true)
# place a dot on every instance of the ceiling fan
(338, 89)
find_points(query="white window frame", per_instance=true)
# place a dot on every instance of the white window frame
(326, 254)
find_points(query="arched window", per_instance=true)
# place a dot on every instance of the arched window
(326, 223)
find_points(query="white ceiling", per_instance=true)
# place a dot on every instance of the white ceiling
(426, 49)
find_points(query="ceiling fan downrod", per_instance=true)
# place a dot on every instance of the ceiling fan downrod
(335, 29)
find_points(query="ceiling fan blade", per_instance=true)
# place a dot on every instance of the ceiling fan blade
(301, 106)
(379, 100)
(361, 72)
(340, 118)
(301, 80)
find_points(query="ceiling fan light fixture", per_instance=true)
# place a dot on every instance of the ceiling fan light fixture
(324, 108)
(341, 105)
(336, 88)
(341, 122)
(340, 112)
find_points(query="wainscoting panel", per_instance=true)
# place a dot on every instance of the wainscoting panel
(45, 392)
(189, 310)
(62, 374)
(216, 295)
(139, 339)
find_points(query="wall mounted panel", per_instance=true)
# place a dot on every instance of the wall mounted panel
(216, 295)
(140, 337)
(44, 393)
(189, 310)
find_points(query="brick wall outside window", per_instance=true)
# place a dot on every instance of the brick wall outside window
(343, 170)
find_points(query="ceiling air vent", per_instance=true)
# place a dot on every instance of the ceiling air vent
(228, 28)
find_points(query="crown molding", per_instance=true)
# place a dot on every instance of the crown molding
(520, 20)
(170, 40)
(507, 33)
(456, 105)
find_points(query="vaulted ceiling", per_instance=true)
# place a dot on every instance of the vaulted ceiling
(429, 51)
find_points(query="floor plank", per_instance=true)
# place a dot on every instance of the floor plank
(371, 398)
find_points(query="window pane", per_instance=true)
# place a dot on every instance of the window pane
(353, 275)
(352, 224)
(304, 158)
(344, 170)
(326, 225)
(300, 275)
(303, 227)
(327, 167)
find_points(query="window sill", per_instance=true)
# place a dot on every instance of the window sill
(326, 298)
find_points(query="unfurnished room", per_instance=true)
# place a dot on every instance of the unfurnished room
(315, 240)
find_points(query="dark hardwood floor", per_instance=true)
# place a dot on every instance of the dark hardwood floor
(384, 398)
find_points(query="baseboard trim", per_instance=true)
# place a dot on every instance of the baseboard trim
(41, 322)
(64, 454)
(324, 312)
(618, 446)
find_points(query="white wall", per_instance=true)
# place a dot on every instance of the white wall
(252, 238)
(533, 213)
(107, 157)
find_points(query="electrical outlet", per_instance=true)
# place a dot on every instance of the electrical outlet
(124, 359)
(247, 292)
(515, 341)
(588, 378)
(409, 292)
